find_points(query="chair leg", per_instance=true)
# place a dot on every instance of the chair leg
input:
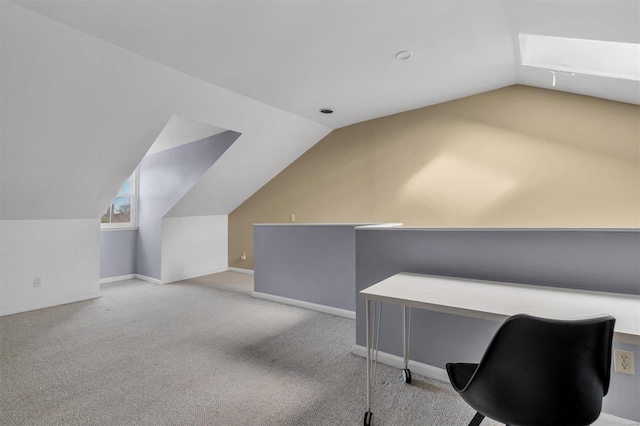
(477, 419)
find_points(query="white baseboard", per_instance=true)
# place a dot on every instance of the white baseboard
(432, 372)
(148, 279)
(157, 281)
(306, 305)
(118, 278)
(190, 276)
(396, 361)
(241, 270)
(58, 302)
(611, 420)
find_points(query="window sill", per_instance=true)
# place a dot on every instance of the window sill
(122, 228)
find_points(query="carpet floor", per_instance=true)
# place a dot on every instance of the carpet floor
(195, 353)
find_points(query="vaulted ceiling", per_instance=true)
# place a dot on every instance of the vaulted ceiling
(300, 56)
(78, 114)
(87, 86)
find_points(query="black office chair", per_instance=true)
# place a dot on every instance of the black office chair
(539, 371)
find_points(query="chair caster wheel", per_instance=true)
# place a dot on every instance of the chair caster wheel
(368, 418)
(406, 375)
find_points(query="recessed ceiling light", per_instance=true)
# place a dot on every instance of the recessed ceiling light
(404, 55)
(326, 110)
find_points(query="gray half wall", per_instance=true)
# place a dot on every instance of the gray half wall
(601, 260)
(165, 177)
(312, 263)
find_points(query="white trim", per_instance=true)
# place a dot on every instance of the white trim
(381, 226)
(118, 278)
(18, 310)
(436, 373)
(148, 279)
(241, 270)
(190, 276)
(611, 420)
(327, 224)
(118, 226)
(157, 281)
(396, 361)
(432, 229)
(121, 228)
(306, 305)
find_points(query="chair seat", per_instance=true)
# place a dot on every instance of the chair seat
(460, 374)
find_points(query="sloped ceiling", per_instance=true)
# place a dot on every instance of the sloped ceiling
(180, 131)
(87, 86)
(300, 56)
(78, 115)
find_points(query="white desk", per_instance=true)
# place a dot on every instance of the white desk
(495, 301)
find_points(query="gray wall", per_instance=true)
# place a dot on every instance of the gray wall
(593, 260)
(117, 253)
(313, 263)
(164, 178)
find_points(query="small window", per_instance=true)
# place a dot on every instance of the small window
(593, 57)
(121, 213)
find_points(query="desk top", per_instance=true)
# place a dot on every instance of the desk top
(497, 300)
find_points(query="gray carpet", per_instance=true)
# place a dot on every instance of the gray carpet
(192, 353)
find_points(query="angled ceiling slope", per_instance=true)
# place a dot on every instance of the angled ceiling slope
(301, 56)
(180, 131)
(78, 115)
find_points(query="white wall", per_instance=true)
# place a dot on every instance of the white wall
(76, 116)
(79, 113)
(65, 254)
(193, 246)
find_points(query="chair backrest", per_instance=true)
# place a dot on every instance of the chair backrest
(539, 371)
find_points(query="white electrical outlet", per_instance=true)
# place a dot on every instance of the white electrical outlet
(37, 282)
(293, 218)
(243, 256)
(624, 362)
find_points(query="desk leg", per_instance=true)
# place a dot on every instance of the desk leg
(368, 414)
(406, 324)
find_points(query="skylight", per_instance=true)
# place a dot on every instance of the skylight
(573, 55)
